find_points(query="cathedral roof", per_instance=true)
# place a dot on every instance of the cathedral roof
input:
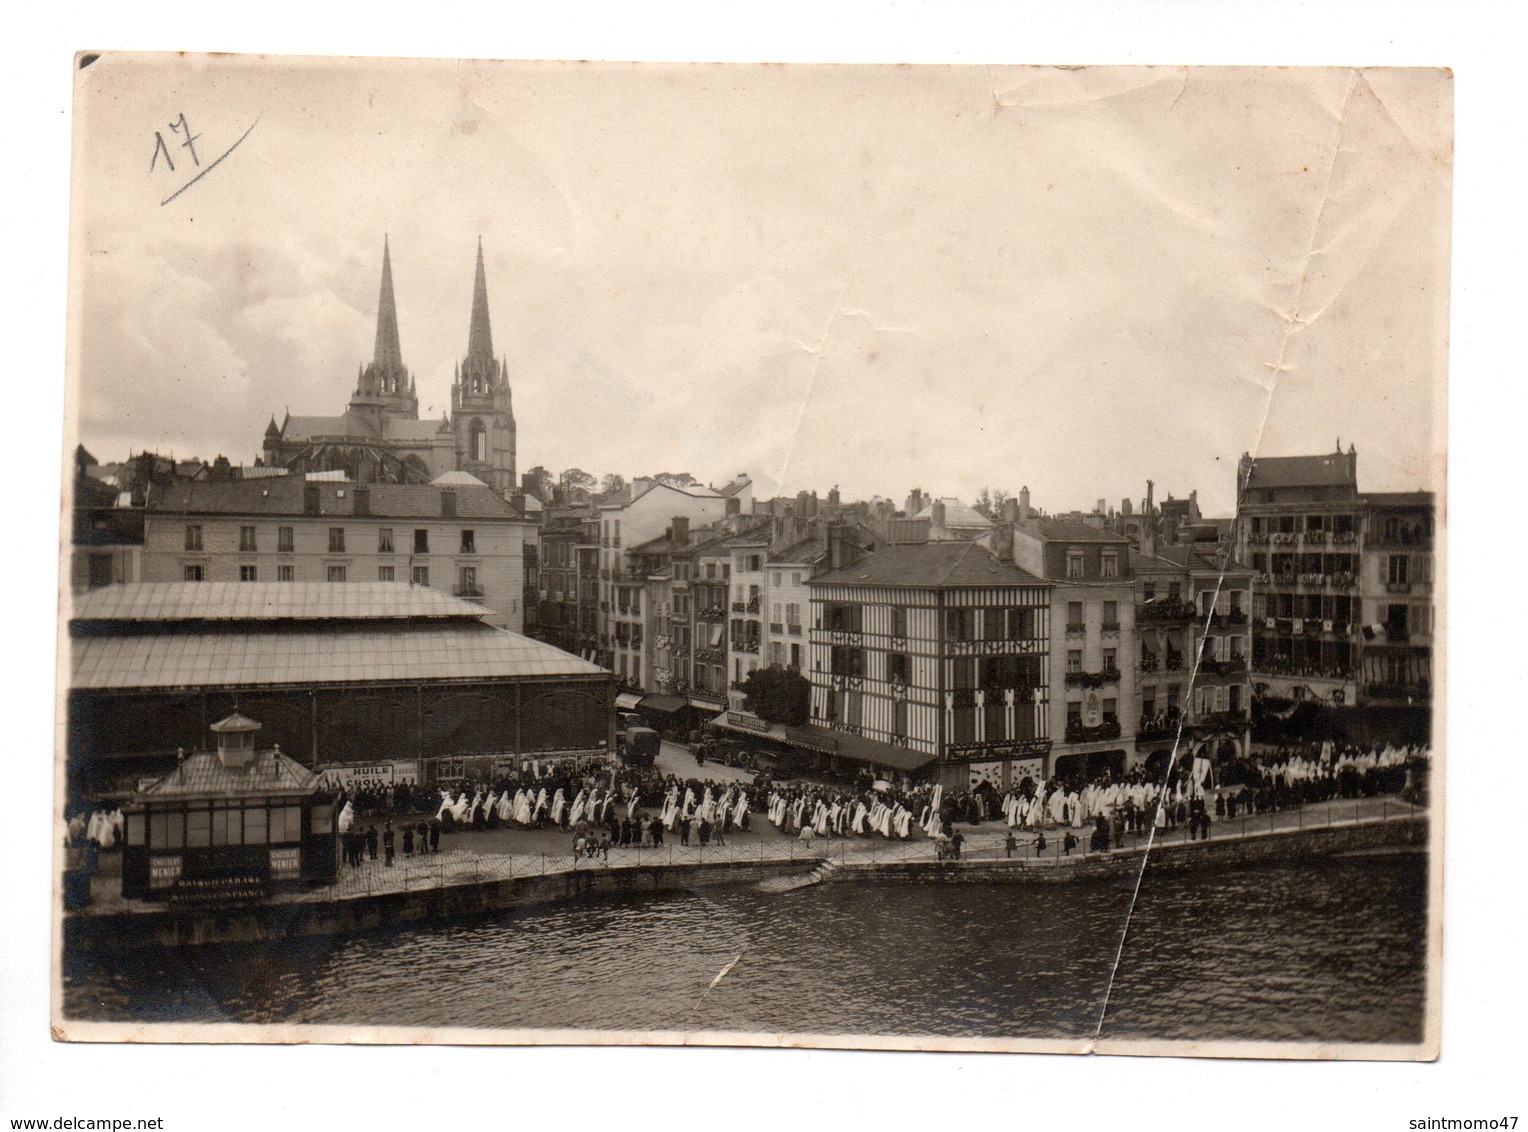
(395, 428)
(388, 353)
(480, 335)
(457, 479)
(347, 424)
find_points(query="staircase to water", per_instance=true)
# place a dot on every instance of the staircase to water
(798, 880)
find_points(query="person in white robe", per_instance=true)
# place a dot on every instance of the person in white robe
(346, 818)
(445, 804)
(522, 813)
(740, 810)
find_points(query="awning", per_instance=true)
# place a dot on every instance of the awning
(627, 701)
(706, 705)
(824, 740)
(663, 703)
(857, 748)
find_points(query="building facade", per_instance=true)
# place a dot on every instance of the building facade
(1343, 616)
(459, 538)
(1091, 644)
(936, 649)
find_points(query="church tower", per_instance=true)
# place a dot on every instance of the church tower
(481, 415)
(385, 388)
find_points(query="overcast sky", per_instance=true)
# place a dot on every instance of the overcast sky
(879, 278)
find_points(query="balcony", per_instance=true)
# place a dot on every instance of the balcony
(1110, 626)
(1281, 666)
(1223, 620)
(1234, 721)
(1074, 626)
(1232, 667)
(471, 593)
(740, 607)
(794, 629)
(1076, 732)
(1149, 661)
(1173, 663)
(1398, 690)
(1158, 725)
(1092, 679)
(1166, 610)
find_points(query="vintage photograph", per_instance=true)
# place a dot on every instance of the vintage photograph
(887, 557)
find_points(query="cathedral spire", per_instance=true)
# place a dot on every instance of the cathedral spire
(479, 336)
(388, 354)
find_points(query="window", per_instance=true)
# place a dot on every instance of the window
(421, 575)
(1174, 590)
(1236, 701)
(421, 541)
(284, 539)
(959, 624)
(844, 617)
(774, 578)
(1074, 660)
(1074, 564)
(247, 574)
(847, 661)
(284, 573)
(1111, 660)
(478, 437)
(469, 543)
(466, 581)
(336, 573)
(994, 625)
(1315, 522)
(795, 655)
(899, 719)
(795, 577)
(1074, 615)
(194, 572)
(1021, 624)
(1110, 564)
(193, 536)
(336, 540)
(385, 540)
(899, 668)
(385, 574)
(1399, 574)
(247, 540)
(1111, 613)
(898, 621)
(1148, 591)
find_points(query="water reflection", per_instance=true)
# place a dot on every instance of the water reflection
(1331, 953)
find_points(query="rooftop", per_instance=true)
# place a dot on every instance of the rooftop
(245, 656)
(203, 775)
(286, 495)
(269, 601)
(1061, 530)
(934, 565)
(1334, 469)
(807, 552)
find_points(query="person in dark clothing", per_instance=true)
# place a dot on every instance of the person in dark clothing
(625, 831)
(435, 837)
(684, 831)
(422, 832)
(371, 842)
(408, 841)
(1039, 845)
(1069, 842)
(656, 830)
(1010, 843)
(955, 843)
(387, 844)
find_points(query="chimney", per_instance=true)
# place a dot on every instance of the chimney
(936, 528)
(1010, 510)
(1193, 506)
(680, 531)
(1125, 507)
(839, 549)
(1023, 503)
(1149, 523)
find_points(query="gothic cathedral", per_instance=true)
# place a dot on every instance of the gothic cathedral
(380, 438)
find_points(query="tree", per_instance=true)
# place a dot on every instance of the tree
(777, 695)
(576, 482)
(990, 502)
(676, 479)
(612, 484)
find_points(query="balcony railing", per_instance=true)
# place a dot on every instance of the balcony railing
(469, 592)
(1074, 626)
(1092, 679)
(1155, 725)
(1149, 661)
(1398, 690)
(739, 607)
(1230, 667)
(1221, 720)
(1110, 626)
(1076, 732)
(1166, 609)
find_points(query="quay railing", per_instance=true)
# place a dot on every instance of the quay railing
(464, 866)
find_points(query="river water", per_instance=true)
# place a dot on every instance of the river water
(1330, 951)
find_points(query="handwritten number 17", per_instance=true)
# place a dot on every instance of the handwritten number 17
(183, 128)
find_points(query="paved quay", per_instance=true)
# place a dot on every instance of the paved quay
(469, 858)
